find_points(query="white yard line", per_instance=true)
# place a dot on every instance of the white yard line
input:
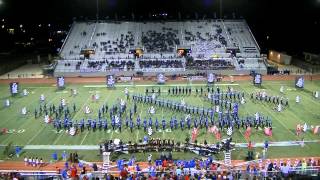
(111, 134)
(275, 118)
(96, 147)
(55, 141)
(163, 135)
(27, 105)
(73, 118)
(42, 127)
(155, 85)
(35, 135)
(24, 123)
(137, 139)
(84, 138)
(99, 108)
(38, 87)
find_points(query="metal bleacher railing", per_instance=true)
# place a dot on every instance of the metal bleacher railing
(5, 174)
(237, 173)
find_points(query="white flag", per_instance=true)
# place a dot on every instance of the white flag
(305, 127)
(149, 131)
(229, 131)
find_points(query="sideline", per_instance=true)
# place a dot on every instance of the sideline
(96, 147)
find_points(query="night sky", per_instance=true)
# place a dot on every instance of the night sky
(292, 26)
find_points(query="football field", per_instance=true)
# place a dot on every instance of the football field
(25, 130)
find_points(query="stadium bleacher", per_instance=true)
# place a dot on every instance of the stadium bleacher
(220, 44)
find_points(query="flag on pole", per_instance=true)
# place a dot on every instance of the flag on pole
(149, 131)
(218, 135)
(316, 130)
(248, 133)
(194, 134)
(213, 129)
(268, 131)
(229, 131)
(305, 127)
(298, 129)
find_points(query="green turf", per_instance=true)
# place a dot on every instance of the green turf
(38, 133)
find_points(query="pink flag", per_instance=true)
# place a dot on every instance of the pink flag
(194, 134)
(268, 131)
(298, 129)
(316, 130)
(248, 133)
(213, 129)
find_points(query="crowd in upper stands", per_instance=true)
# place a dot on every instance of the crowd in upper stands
(119, 45)
(207, 36)
(210, 64)
(120, 65)
(160, 41)
(161, 64)
(109, 65)
(204, 38)
(117, 37)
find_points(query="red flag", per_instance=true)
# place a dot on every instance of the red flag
(248, 133)
(218, 135)
(194, 134)
(4, 130)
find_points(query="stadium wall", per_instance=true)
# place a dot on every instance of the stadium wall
(280, 58)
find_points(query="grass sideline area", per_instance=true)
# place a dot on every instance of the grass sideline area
(26, 130)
